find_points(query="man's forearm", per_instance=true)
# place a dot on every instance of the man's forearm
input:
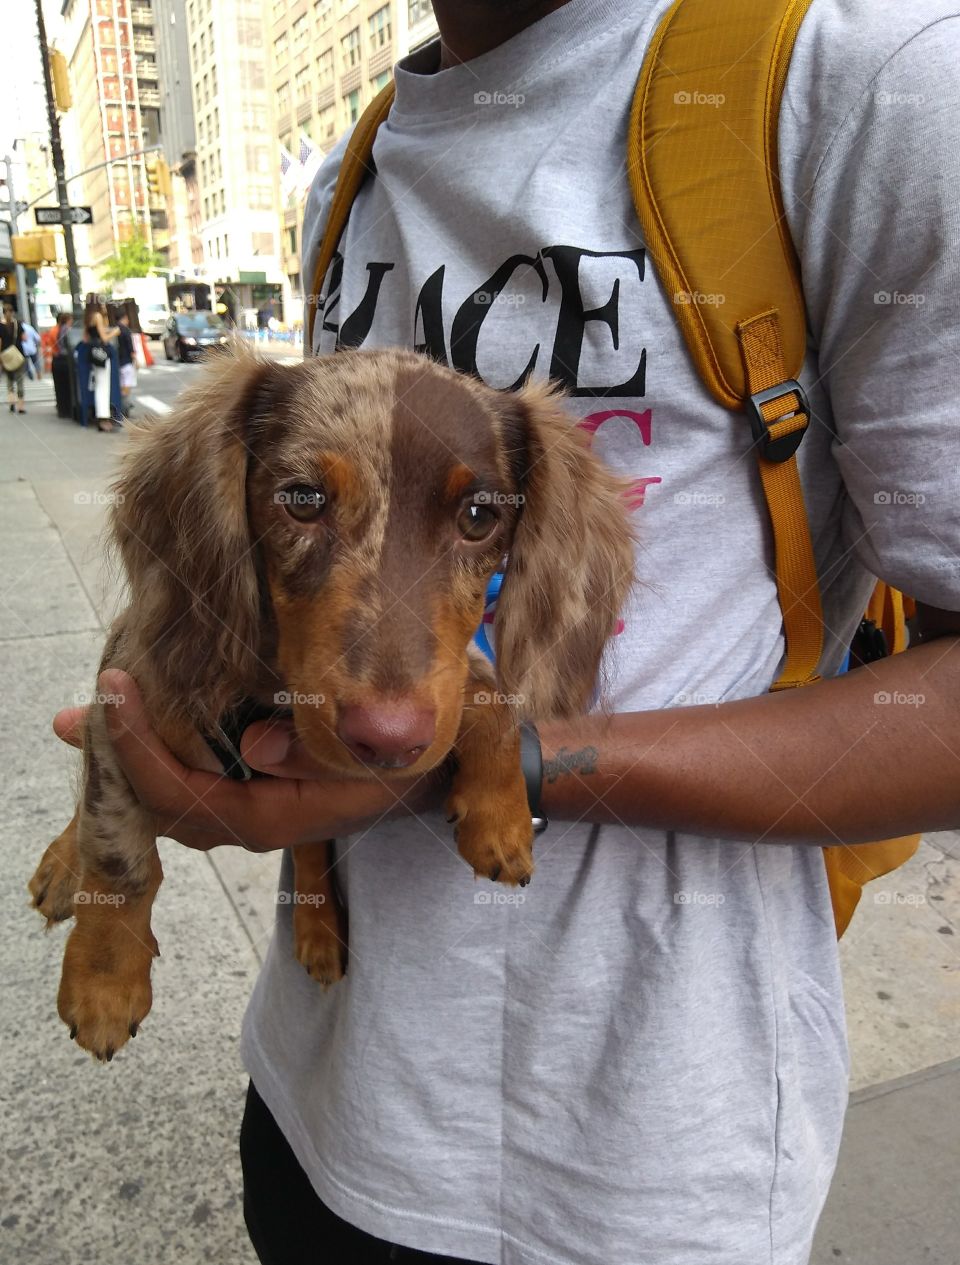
(871, 755)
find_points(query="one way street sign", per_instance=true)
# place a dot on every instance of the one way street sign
(72, 215)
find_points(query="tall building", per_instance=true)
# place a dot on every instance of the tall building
(178, 136)
(236, 146)
(329, 60)
(111, 51)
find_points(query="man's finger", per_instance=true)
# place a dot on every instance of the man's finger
(272, 746)
(165, 786)
(68, 725)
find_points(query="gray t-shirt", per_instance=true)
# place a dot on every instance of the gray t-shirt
(640, 1059)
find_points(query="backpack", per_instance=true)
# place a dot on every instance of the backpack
(706, 190)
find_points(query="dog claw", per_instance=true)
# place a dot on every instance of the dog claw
(495, 873)
(73, 1032)
(109, 1054)
(134, 1029)
(451, 820)
(524, 881)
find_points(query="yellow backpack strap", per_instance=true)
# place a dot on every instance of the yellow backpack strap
(353, 171)
(702, 164)
(703, 169)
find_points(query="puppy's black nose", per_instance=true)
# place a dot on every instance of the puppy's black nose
(389, 735)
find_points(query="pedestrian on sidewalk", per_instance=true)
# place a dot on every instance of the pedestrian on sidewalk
(14, 365)
(31, 351)
(125, 354)
(64, 326)
(101, 339)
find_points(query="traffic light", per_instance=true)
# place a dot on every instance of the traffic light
(158, 177)
(34, 248)
(62, 96)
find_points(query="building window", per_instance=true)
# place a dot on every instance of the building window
(252, 76)
(250, 32)
(292, 240)
(281, 47)
(380, 29)
(322, 11)
(283, 98)
(350, 44)
(262, 243)
(324, 67)
(302, 83)
(326, 124)
(418, 11)
(380, 81)
(301, 33)
(258, 159)
(352, 104)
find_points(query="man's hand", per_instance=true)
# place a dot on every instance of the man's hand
(299, 803)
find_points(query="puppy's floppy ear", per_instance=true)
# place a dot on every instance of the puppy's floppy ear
(571, 562)
(179, 522)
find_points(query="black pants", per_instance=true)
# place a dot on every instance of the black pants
(287, 1223)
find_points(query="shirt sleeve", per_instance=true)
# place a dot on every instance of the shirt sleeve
(878, 233)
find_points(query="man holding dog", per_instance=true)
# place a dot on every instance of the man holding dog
(644, 1060)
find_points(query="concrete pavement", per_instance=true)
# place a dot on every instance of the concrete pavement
(136, 1162)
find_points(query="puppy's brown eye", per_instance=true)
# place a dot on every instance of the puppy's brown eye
(303, 502)
(477, 522)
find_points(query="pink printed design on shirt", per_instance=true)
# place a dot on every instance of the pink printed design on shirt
(637, 490)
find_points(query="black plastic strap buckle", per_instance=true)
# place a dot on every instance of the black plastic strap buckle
(782, 448)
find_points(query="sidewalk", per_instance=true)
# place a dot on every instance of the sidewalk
(135, 1163)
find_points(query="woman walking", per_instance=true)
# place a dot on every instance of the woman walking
(101, 338)
(12, 358)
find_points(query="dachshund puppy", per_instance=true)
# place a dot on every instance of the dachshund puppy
(321, 538)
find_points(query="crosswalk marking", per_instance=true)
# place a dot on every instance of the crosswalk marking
(153, 404)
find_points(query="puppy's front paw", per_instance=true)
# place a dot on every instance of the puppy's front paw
(55, 880)
(320, 943)
(105, 991)
(494, 833)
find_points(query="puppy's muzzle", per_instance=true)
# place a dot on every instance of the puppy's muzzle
(390, 735)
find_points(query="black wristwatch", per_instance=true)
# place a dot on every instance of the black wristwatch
(531, 762)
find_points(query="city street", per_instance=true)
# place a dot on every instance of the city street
(136, 1163)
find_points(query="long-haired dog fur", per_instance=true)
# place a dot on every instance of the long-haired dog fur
(324, 535)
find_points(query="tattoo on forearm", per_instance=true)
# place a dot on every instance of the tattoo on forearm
(583, 762)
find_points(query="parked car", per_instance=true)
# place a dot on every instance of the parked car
(189, 335)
